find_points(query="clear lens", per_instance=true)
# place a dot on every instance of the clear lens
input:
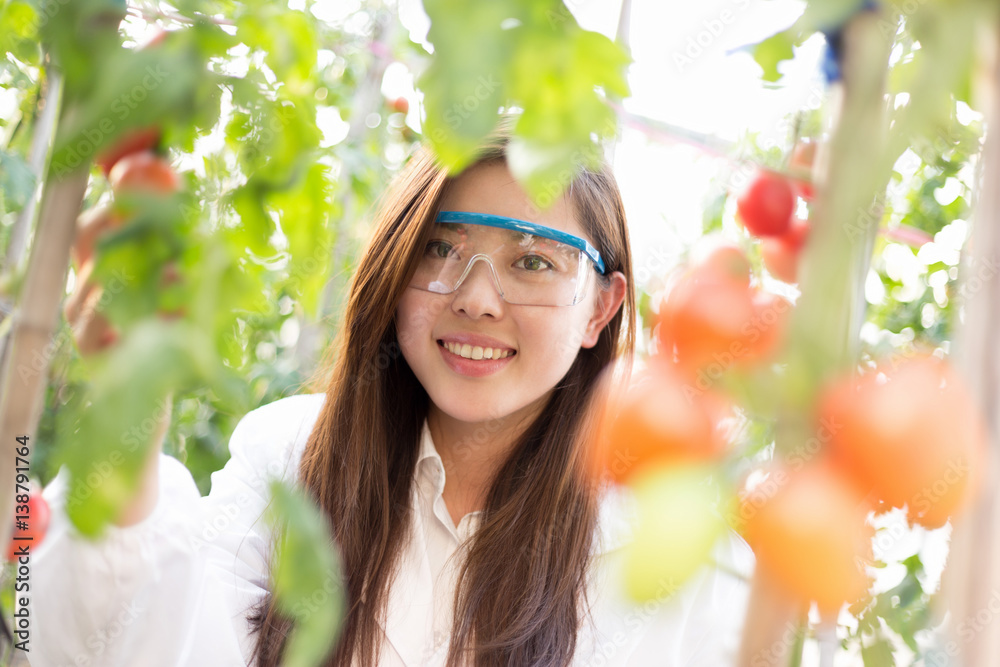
(526, 269)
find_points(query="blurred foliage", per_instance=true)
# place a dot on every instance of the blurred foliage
(307, 576)
(276, 120)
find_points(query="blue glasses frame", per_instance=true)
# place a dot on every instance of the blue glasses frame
(504, 222)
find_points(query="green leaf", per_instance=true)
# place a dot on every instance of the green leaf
(530, 56)
(773, 50)
(107, 433)
(18, 31)
(16, 181)
(307, 576)
(878, 653)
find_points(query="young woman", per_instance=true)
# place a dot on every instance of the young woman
(447, 448)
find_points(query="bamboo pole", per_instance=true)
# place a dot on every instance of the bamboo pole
(22, 387)
(971, 581)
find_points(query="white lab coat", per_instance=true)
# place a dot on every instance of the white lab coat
(173, 590)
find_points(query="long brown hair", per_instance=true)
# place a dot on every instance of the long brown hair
(523, 577)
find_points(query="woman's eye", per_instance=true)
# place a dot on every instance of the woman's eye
(439, 249)
(534, 263)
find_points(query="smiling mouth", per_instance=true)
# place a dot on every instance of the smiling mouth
(476, 352)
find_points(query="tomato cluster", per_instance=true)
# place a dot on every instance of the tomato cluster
(766, 207)
(664, 436)
(905, 435)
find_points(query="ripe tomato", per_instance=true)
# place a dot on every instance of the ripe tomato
(144, 171)
(767, 204)
(810, 535)
(400, 104)
(31, 533)
(781, 253)
(801, 164)
(678, 523)
(661, 418)
(132, 141)
(764, 334)
(723, 260)
(702, 318)
(913, 436)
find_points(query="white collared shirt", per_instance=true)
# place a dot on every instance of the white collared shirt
(173, 590)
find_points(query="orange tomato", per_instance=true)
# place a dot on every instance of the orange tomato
(132, 141)
(31, 521)
(781, 253)
(144, 171)
(764, 334)
(911, 433)
(811, 535)
(660, 418)
(701, 320)
(712, 318)
(400, 105)
(722, 260)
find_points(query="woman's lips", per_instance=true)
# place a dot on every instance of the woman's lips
(474, 367)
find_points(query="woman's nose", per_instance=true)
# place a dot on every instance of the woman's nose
(478, 294)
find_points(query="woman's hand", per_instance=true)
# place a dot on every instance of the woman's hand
(91, 330)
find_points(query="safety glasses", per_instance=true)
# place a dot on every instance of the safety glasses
(529, 264)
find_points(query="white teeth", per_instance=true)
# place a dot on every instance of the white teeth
(476, 352)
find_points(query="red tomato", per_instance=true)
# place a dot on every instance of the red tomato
(400, 104)
(912, 435)
(767, 204)
(144, 171)
(810, 534)
(781, 253)
(30, 534)
(131, 141)
(661, 418)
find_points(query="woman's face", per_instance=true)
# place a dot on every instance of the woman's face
(541, 341)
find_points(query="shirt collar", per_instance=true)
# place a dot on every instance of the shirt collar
(429, 462)
(618, 509)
